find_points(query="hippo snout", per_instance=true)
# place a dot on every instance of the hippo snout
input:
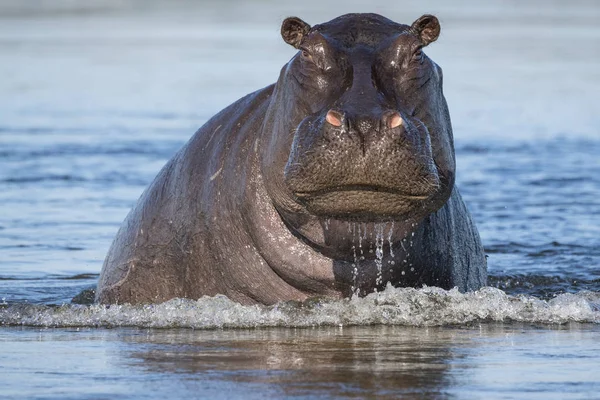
(348, 165)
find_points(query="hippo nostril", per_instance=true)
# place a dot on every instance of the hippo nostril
(393, 120)
(334, 118)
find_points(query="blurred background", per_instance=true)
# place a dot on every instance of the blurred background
(96, 96)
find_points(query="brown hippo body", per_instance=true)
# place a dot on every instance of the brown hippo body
(337, 179)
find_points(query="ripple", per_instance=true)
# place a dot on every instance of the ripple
(48, 278)
(46, 178)
(540, 250)
(42, 246)
(79, 276)
(560, 181)
(162, 149)
(542, 286)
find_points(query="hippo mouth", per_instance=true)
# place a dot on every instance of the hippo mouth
(363, 202)
(345, 189)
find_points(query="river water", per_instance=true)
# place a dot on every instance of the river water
(96, 97)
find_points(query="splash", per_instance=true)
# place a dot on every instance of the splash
(428, 306)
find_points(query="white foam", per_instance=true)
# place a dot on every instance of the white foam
(394, 306)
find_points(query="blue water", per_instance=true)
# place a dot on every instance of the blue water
(96, 97)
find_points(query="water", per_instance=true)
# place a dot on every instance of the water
(97, 97)
(492, 361)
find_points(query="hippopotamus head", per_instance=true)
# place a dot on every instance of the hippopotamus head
(358, 128)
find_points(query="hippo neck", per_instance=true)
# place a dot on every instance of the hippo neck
(345, 240)
(327, 257)
(295, 261)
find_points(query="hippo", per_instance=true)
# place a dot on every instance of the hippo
(336, 181)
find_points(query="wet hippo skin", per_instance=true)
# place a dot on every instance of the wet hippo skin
(337, 179)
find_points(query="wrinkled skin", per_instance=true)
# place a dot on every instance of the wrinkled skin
(337, 179)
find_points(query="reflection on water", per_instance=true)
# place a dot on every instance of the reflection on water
(347, 362)
(478, 361)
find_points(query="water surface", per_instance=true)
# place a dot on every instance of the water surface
(96, 97)
(485, 361)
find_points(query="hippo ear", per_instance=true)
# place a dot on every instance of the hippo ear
(427, 28)
(293, 30)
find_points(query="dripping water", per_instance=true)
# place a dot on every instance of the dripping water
(354, 287)
(389, 238)
(379, 228)
(360, 239)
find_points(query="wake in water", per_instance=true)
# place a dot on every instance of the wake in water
(428, 306)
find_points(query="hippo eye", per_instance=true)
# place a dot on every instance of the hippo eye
(306, 55)
(418, 55)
